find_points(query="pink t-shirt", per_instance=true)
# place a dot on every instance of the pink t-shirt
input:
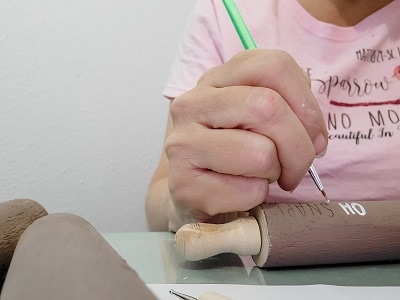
(355, 74)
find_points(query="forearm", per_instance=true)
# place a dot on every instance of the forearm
(160, 210)
(159, 207)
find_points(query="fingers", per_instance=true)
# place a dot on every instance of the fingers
(261, 117)
(278, 71)
(247, 123)
(215, 193)
(226, 151)
(215, 171)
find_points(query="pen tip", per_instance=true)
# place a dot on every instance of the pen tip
(326, 197)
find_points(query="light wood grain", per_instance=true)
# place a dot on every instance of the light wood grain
(200, 240)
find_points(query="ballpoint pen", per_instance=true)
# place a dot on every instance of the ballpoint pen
(205, 296)
(248, 43)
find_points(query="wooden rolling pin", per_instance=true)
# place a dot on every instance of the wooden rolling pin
(278, 235)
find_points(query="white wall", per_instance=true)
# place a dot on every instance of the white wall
(81, 113)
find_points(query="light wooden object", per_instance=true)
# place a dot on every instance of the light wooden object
(15, 216)
(200, 240)
(278, 235)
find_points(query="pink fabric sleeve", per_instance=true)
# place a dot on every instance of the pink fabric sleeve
(198, 50)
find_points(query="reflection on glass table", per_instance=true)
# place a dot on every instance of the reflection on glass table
(154, 257)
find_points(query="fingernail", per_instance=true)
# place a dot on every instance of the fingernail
(320, 145)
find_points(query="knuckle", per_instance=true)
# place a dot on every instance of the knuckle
(205, 77)
(265, 159)
(179, 184)
(267, 106)
(268, 55)
(281, 59)
(180, 106)
(245, 55)
(186, 198)
(175, 189)
(171, 145)
(278, 63)
(179, 152)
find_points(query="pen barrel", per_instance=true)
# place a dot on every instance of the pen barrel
(320, 233)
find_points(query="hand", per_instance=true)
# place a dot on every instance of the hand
(247, 123)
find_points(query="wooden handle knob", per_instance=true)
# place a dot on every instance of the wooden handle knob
(201, 240)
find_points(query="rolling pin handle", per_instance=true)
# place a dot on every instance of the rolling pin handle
(202, 240)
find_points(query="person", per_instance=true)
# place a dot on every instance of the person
(245, 126)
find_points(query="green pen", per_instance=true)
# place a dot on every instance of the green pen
(248, 43)
(239, 24)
